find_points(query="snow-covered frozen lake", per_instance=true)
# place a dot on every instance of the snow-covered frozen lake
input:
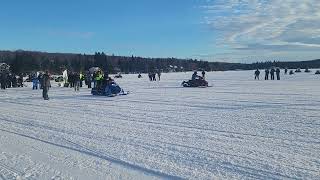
(238, 129)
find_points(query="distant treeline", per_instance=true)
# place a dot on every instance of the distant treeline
(29, 61)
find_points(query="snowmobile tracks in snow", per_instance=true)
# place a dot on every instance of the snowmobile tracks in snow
(90, 152)
(7, 172)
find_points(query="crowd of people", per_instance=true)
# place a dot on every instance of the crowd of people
(152, 75)
(75, 80)
(99, 79)
(8, 80)
(272, 72)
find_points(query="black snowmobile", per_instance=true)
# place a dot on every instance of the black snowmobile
(118, 76)
(199, 82)
(307, 70)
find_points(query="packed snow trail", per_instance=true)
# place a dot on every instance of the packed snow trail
(239, 128)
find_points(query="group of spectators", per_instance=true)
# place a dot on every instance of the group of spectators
(75, 80)
(272, 72)
(152, 75)
(8, 80)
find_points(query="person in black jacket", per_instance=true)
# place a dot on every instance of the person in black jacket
(3, 80)
(266, 77)
(88, 79)
(256, 74)
(272, 71)
(278, 73)
(40, 78)
(203, 74)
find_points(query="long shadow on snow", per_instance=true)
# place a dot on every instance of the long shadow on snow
(101, 156)
(82, 149)
(266, 173)
(56, 130)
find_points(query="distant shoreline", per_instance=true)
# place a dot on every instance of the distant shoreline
(26, 61)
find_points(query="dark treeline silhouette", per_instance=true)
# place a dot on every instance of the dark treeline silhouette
(28, 61)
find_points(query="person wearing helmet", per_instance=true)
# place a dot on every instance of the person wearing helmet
(194, 75)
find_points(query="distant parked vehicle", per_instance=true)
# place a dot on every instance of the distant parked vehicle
(118, 76)
(291, 72)
(29, 79)
(58, 79)
(307, 70)
(298, 70)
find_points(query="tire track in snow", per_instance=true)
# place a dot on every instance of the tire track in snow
(157, 149)
(11, 172)
(89, 152)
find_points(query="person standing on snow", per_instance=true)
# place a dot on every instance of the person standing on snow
(150, 76)
(88, 79)
(65, 76)
(81, 78)
(272, 71)
(35, 82)
(154, 76)
(46, 85)
(203, 74)
(278, 73)
(20, 80)
(256, 74)
(159, 74)
(40, 78)
(76, 81)
(266, 77)
(3, 80)
(99, 79)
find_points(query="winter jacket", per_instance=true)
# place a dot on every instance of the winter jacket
(46, 81)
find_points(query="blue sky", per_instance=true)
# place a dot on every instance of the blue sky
(214, 30)
(166, 28)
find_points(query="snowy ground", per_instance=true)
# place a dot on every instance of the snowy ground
(237, 129)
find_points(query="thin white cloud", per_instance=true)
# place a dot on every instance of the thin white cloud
(264, 26)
